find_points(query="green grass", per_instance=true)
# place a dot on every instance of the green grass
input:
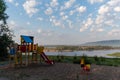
(117, 54)
(91, 60)
(76, 60)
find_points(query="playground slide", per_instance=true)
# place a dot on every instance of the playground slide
(46, 58)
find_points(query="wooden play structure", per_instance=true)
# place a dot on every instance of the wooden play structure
(30, 52)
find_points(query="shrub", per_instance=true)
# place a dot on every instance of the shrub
(102, 59)
(96, 58)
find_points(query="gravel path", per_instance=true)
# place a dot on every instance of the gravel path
(61, 71)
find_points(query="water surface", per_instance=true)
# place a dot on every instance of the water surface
(99, 53)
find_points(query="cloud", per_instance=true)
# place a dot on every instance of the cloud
(117, 9)
(62, 13)
(54, 3)
(45, 33)
(10, 1)
(108, 12)
(13, 2)
(114, 32)
(86, 24)
(29, 7)
(95, 1)
(113, 2)
(109, 23)
(12, 24)
(40, 18)
(70, 24)
(71, 12)
(64, 17)
(56, 22)
(99, 19)
(39, 30)
(103, 10)
(107, 16)
(48, 11)
(67, 4)
(81, 9)
(100, 30)
(16, 4)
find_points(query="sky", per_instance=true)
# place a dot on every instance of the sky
(69, 22)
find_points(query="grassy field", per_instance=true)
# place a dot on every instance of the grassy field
(117, 54)
(76, 60)
(91, 60)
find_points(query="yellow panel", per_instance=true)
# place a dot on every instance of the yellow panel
(40, 49)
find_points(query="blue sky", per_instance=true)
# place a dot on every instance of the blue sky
(70, 22)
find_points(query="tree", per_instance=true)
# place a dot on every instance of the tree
(5, 33)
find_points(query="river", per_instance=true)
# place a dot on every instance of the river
(99, 53)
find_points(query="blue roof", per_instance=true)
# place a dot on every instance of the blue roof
(27, 39)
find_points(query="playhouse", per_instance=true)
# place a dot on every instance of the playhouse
(28, 49)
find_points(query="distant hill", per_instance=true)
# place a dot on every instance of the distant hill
(113, 43)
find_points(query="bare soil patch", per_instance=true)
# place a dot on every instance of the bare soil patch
(60, 71)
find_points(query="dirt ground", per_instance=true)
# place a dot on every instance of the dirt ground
(60, 71)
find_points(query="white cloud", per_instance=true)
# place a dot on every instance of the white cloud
(114, 32)
(62, 13)
(29, 7)
(64, 17)
(13, 2)
(114, 2)
(96, 29)
(117, 9)
(109, 22)
(56, 22)
(86, 25)
(103, 10)
(40, 19)
(70, 24)
(81, 9)
(16, 4)
(49, 11)
(99, 19)
(25, 32)
(52, 18)
(54, 3)
(10, 1)
(72, 12)
(100, 30)
(107, 14)
(12, 24)
(39, 30)
(95, 1)
(68, 4)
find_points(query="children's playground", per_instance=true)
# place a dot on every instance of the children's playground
(20, 54)
(28, 61)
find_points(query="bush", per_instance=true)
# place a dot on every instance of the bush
(96, 58)
(102, 59)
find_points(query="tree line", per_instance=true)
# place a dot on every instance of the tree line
(77, 48)
(5, 33)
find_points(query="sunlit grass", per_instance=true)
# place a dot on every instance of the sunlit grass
(117, 54)
(76, 59)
